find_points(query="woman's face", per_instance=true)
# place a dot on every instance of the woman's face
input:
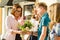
(18, 12)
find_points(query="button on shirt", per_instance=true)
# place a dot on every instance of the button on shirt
(44, 22)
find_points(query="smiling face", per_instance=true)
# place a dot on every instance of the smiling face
(40, 10)
(18, 12)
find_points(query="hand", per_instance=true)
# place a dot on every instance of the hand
(22, 32)
(12, 32)
(19, 32)
(29, 32)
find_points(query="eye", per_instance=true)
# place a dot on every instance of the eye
(41, 8)
(18, 11)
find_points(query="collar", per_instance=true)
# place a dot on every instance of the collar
(12, 16)
(45, 14)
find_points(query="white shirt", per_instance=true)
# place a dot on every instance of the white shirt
(35, 24)
(11, 24)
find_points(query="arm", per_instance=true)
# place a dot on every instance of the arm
(16, 31)
(45, 26)
(43, 34)
(9, 26)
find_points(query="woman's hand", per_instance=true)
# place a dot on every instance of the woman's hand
(16, 32)
(21, 32)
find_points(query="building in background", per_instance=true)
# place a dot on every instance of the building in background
(53, 9)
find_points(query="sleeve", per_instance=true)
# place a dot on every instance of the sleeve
(53, 29)
(45, 22)
(52, 32)
(8, 24)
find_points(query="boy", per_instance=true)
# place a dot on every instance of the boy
(44, 21)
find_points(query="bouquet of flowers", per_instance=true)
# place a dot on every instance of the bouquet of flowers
(27, 25)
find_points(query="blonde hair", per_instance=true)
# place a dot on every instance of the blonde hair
(58, 19)
(41, 4)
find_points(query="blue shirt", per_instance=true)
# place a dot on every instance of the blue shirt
(44, 21)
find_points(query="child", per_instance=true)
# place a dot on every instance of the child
(34, 21)
(55, 30)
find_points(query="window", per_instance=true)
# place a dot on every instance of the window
(28, 10)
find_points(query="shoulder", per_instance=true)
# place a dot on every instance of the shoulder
(46, 18)
(9, 18)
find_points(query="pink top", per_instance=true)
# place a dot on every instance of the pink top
(12, 24)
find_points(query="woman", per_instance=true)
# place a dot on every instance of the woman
(12, 23)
